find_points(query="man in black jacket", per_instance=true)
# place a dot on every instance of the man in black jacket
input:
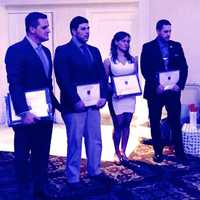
(164, 55)
(79, 64)
(27, 71)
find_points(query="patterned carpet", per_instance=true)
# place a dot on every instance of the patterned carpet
(139, 179)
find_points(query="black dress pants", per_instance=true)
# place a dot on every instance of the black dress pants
(32, 146)
(171, 101)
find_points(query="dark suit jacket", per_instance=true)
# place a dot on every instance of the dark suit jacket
(71, 70)
(152, 63)
(25, 72)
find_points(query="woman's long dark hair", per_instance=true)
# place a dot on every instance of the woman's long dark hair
(113, 50)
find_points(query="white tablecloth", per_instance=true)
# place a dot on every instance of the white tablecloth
(191, 139)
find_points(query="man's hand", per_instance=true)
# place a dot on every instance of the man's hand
(118, 96)
(160, 89)
(79, 106)
(101, 103)
(29, 118)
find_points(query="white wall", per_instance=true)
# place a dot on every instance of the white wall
(3, 47)
(185, 17)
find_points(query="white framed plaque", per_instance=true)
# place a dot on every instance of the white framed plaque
(126, 85)
(169, 79)
(39, 103)
(89, 94)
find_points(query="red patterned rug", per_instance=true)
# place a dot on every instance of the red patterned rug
(139, 179)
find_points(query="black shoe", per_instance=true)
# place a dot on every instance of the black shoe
(147, 141)
(75, 186)
(23, 192)
(102, 178)
(40, 195)
(181, 158)
(24, 196)
(158, 158)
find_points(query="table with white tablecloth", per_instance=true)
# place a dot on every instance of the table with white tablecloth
(191, 139)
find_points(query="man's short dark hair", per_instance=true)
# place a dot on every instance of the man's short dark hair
(32, 19)
(161, 23)
(76, 21)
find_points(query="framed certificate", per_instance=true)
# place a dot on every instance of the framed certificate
(169, 79)
(39, 103)
(126, 85)
(89, 94)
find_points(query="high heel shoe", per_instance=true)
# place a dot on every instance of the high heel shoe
(117, 159)
(124, 157)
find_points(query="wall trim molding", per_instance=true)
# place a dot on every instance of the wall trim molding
(61, 2)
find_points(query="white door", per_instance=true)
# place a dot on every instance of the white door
(105, 22)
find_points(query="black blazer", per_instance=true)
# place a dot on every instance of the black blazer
(25, 72)
(152, 63)
(71, 70)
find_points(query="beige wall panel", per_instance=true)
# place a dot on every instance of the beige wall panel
(104, 23)
(16, 28)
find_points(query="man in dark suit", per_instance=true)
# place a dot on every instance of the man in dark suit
(164, 55)
(27, 71)
(77, 64)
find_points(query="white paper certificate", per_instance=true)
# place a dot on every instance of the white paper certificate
(37, 103)
(125, 85)
(89, 94)
(14, 117)
(169, 79)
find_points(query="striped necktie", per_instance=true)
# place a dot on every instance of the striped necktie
(86, 54)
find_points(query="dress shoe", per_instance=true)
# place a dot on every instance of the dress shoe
(41, 195)
(181, 158)
(75, 186)
(102, 178)
(24, 196)
(23, 192)
(124, 157)
(158, 158)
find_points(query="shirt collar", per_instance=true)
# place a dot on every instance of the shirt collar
(162, 42)
(33, 44)
(76, 41)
